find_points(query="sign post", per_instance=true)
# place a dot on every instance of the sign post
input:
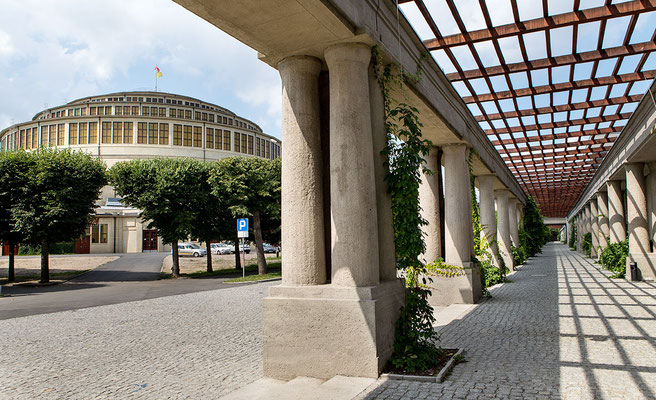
(242, 233)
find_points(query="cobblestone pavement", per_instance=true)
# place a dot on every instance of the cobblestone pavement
(191, 346)
(561, 329)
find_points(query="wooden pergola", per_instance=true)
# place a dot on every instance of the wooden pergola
(555, 148)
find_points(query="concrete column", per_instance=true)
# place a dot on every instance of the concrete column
(386, 250)
(503, 227)
(594, 228)
(430, 206)
(615, 212)
(459, 235)
(513, 222)
(650, 182)
(637, 208)
(354, 216)
(487, 211)
(302, 197)
(602, 209)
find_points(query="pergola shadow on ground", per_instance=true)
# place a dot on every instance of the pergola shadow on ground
(560, 329)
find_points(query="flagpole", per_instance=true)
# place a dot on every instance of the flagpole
(155, 82)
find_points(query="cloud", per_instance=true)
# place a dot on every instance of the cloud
(56, 51)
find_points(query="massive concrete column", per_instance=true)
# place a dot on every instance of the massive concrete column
(503, 227)
(594, 228)
(302, 197)
(457, 203)
(638, 231)
(487, 211)
(602, 209)
(354, 224)
(459, 235)
(513, 221)
(616, 211)
(650, 182)
(429, 201)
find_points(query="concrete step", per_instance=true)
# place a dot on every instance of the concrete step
(336, 388)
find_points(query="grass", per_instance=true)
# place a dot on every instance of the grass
(273, 265)
(253, 278)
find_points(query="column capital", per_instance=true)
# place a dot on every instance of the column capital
(349, 51)
(453, 147)
(300, 64)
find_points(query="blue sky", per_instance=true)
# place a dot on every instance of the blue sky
(52, 52)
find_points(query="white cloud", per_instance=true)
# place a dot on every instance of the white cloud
(55, 51)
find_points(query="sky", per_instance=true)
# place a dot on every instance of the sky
(53, 52)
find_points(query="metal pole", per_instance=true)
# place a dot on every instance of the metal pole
(243, 258)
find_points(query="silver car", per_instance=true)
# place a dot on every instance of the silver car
(191, 249)
(222, 248)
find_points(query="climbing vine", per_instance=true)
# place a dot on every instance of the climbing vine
(415, 340)
(572, 234)
(490, 274)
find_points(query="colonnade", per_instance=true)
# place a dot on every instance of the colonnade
(335, 311)
(624, 207)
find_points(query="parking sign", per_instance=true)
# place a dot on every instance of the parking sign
(242, 227)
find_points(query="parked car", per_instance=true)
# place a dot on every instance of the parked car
(269, 248)
(191, 249)
(245, 248)
(222, 248)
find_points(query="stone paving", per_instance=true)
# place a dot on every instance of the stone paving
(561, 329)
(193, 346)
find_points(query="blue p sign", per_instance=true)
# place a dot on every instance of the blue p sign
(242, 225)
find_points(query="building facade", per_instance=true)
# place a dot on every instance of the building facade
(136, 125)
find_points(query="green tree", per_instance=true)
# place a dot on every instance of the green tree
(212, 218)
(251, 187)
(58, 199)
(166, 191)
(14, 166)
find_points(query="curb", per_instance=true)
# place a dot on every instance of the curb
(263, 280)
(439, 378)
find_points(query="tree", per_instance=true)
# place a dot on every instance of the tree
(537, 233)
(212, 218)
(252, 188)
(165, 190)
(58, 199)
(14, 166)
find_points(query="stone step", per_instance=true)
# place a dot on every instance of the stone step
(336, 388)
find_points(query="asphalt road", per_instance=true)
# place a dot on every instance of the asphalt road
(132, 277)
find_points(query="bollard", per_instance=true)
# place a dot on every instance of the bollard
(633, 266)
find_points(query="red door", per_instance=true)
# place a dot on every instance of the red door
(5, 250)
(83, 246)
(149, 240)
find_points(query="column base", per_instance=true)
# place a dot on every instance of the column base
(463, 289)
(646, 266)
(327, 330)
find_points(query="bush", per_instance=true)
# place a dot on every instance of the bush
(518, 254)
(613, 258)
(587, 244)
(537, 234)
(572, 234)
(55, 248)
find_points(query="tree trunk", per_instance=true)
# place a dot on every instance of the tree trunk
(45, 268)
(209, 255)
(10, 272)
(257, 232)
(237, 258)
(175, 262)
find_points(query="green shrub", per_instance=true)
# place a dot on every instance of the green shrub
(613, 258)
(55, 248)
(587, 244)
(572, 234)
(518, 254)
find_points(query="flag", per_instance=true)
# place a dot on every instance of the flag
(158, 73)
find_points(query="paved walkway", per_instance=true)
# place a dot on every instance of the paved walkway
(561, 329)
(192, 346)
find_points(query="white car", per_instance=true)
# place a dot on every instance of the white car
(221, 248)
(191, 249)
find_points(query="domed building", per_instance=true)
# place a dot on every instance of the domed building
(135, 125)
